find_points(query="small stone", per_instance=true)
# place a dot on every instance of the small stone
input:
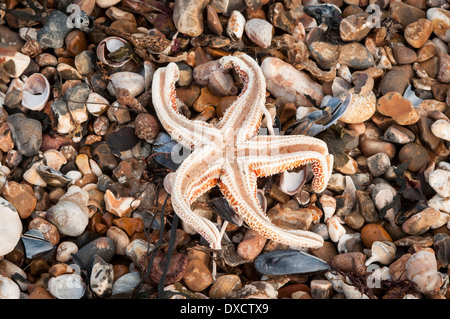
(126, 283)
(442, 247)
(444, 67)
(321, 289)
(420, 222)
(197, 276)
(21, 196)
(366, 207)
(350, 262)
(84, 62)
(251, 246)
(441, 22)
(188, 18)
(122, 206)
(47, 229)
(404, 55)
(235, 26)
(400, 109)
(8, 289)
(439, 180)
(378, 164)
(289, 218)
(336, 182)
(26, 133)
(418, 32)
(421, 269)
(397, 268)
(103, 247)
(354, 27)
(416, 154)
(55, 30)
(76, 102)
(120, 239)
(398, 134)
(76, 42)
(206, 99)
(68, 286)
(405, 14)
(356, 56)
(396, 80)
(146, 126)
(40, 293)
(65, 250)
(371, 233)
(136, 249)
(213, 20)
(101, 279)
(371, 147)
(324, 53)
(259, 31)
(202, 72)
(441, 129)
(224, 286)
(175, 271)
(221, 84)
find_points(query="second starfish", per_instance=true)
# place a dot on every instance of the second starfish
(232, 155)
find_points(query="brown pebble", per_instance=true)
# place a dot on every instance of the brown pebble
(251, 246)
(197, 276)
(224, 285)
(350, 262)
(417, 154)
(374, 232)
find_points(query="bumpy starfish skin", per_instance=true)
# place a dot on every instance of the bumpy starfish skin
(232, 155)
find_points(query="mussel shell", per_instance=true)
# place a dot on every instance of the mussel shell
(165, 145)
(53, 177)
(35, 244)
(221, 206)
(285, 262)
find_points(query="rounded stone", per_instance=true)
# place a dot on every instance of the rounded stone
(224, 285)
(418, 32)
(441, 129)
(68, 286)
(68, 217)
(371, 233)
(439, 180)
(26, 133)
(65, 250)
(10, 227)
(416, 154)
(421, 222)
(378, 164)
(197, 276)
(8, 289)
(251, 246)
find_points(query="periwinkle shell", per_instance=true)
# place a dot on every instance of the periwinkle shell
(285, 262)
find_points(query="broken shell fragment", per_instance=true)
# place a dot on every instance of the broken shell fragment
(13, 62)
(52, 177)
(36, 92)
(109, 46)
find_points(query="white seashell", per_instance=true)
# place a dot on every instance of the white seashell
(335, 229)
(147, 73)
(131, 81)
(96, 104)
(382, 252)
(108, 45)
(235, 26)
(19, 62)
(10, 227)
(292, 182)
(421, 269)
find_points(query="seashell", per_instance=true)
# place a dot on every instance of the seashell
(285, 262)
(335, 229)
(121, 207)
(35, 244)
(383, 252)
(96, 104)
(421, 269)
(377, 276)
(13, 62)
(292, 182)
(68, 217)
(168, 182)
(52, 177)
(147, 73)
(221, 206)
(235, 26)
(164, 146)
(339, 285)
(110, 45)
(10, 227)
(262, 199)
(36, 92)
(131, 81)
(342, 244)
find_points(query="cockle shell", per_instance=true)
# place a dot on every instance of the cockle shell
(36, 92)
(109, 45)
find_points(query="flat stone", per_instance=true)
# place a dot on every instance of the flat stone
(439, 180)
(26, 133)
(197, 277)
(404, 55)
(394, 105)
(398, 134)
(187, 16)
(417, 154)
(405, 14)
(396, 79)
(68, 286)
(53, 34)
(251, 246)
(421, 222)
(418, 32)
(21, 196)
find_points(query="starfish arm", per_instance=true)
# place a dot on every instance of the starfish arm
(195, 176)
(239, 188)
(269, 155)
(244, 115)
(186, 132)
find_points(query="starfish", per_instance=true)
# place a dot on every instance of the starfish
(232, 155)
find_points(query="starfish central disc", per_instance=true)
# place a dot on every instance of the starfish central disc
(232, 155)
